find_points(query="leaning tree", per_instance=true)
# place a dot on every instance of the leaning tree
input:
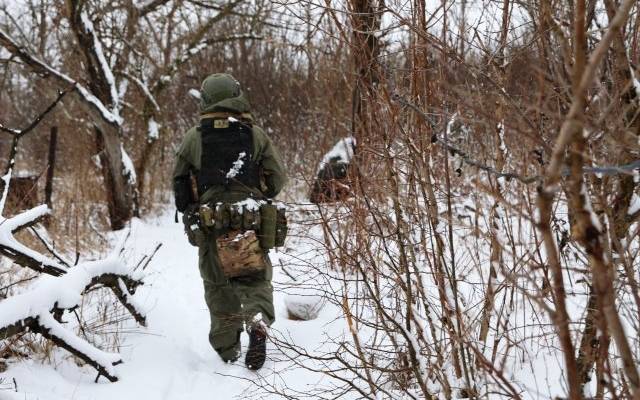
(118, 59)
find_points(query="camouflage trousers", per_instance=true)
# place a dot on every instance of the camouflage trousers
(233, 302)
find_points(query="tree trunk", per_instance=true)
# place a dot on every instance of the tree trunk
(119, 183)
(51, 165)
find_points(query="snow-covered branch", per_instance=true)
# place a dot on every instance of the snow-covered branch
(144, 89)
(40, 67)
(195, 43)
(105, 68)
(61, 289)
(20, 253)
(32, 310)
(146, 6)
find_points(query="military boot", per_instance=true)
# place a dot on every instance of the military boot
(257, 352)
(230, 354)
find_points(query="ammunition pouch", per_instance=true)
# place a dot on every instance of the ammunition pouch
(223, 218)
(267, 232)
(268, 221)
(273, 226)
(242, 233)
(182, 192)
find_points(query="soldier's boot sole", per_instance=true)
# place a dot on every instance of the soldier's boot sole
(257, 352)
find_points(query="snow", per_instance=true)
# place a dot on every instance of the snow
(145, 90)
(198, 48)
(106, 114)
(7, 226)
(64, 290)
(195, 93)
(104, 65)
(140, 4)
(104, 359)
(634, 205)
(342, 151)
(237, 165)
(502, 146)
(132, 300)
(172, 358)
(304, 307)
(123, 86)
(11, 131)
(5, 189)
(250, 204)
(154, 129)
(129, 170)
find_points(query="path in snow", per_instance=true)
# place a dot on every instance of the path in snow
(172, 358)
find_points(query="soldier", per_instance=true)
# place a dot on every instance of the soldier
(228, 159)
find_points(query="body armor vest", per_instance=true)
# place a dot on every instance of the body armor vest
(227, 156)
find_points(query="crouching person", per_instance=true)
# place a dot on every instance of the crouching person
(226, 171)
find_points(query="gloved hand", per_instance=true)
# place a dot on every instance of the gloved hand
(192, 226)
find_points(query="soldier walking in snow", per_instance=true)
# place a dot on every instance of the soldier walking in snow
(226, 171)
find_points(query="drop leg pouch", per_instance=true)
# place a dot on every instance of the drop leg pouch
(240, 254)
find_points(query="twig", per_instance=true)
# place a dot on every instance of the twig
(147, 258)
(608, 170)
(50, 247)
(37, 120)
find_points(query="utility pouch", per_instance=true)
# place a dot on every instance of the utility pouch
(182, 192)
(222, 217)
(191, 221)
(281, 227)
(235, 218)
(267, 234)
(207, 217)
(240, 254)
(250, 219)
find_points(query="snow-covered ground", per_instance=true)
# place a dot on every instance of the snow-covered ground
(172, 358)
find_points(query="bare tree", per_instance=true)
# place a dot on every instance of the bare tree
(121, 44)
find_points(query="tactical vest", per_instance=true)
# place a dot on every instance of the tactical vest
(227, 155)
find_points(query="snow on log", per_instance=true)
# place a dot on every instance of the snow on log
(332, 179)
(32, 310)
(20, 253)
(303, 307)
(61, 289)
(304, 298)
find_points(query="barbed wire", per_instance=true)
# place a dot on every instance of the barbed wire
(608, 170)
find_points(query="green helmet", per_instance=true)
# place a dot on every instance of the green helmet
(222, 92)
